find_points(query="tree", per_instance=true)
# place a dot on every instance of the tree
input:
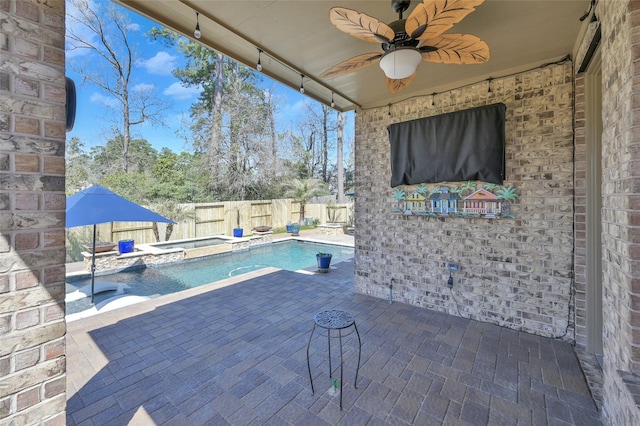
(491, 186)
(102, 34)
(400, 196)
(422, 190)
(205, 68)
(301, 153)
(141, 156)
(315, 130)
(246, 133)
(325, 141)
(233, 124)
(508, 193)
(171, 210)
(468, 186)
(303, 190)
(77, 167)
(339, 159)
(128, 185)
(349, 173)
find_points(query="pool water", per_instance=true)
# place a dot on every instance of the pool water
(191, 244)
(157, 280)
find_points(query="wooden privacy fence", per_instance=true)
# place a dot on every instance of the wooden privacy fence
(207, 219)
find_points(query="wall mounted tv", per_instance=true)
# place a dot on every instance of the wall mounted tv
(453, 147)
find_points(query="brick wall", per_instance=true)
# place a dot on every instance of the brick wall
(580, 251)
(582, 60)
(621, 203)
(32, 204)
(515, 272)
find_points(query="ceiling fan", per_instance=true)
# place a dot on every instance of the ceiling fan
(407, 42)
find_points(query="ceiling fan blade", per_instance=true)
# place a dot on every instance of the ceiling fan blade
(433, 17)
(360, 25)
(395, 86)
(455, 49)
(351, 65)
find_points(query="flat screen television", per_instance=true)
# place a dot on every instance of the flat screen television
(453, 147)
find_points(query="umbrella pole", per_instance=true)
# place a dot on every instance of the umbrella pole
(93, 261)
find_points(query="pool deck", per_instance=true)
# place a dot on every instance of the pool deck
(235, 353)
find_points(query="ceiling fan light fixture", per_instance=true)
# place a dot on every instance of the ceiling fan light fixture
(196, 33)
(400, 63)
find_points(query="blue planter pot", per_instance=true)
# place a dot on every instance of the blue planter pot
(323, 261)
(289, 228)
(125, 246)
(237, 232)
(295, 229)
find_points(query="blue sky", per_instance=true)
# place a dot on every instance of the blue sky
(153, 69)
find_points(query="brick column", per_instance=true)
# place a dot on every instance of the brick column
(32, 205)
(621, 205)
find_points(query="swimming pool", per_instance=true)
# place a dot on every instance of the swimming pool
(168, 278)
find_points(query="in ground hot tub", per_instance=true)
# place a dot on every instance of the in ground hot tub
(198, 247)
(192, 243)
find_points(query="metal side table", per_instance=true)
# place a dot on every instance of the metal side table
(334, 320)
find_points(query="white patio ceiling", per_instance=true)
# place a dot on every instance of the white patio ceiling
(299, 39)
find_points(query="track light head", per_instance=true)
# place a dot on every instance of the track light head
(588, 12)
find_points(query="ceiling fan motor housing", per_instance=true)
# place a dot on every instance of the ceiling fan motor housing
(401, 39)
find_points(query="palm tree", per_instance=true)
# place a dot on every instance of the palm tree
(175, 212)
(303, 190)
(468, 186)
(490, 186)
(509, 193)
(399, 196)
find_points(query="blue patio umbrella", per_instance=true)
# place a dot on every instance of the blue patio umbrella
(96, 205)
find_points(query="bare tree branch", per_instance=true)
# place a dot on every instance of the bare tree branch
(103, 34)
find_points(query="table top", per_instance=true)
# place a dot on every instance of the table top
(334, 319)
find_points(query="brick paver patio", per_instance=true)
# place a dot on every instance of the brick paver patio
(236, 354)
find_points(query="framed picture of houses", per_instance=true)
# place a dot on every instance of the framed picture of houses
(490, 201)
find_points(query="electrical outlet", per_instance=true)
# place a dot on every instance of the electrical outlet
(452, 266)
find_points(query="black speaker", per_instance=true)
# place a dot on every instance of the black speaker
(71, 103)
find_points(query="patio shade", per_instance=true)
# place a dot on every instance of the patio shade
(96, 205)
